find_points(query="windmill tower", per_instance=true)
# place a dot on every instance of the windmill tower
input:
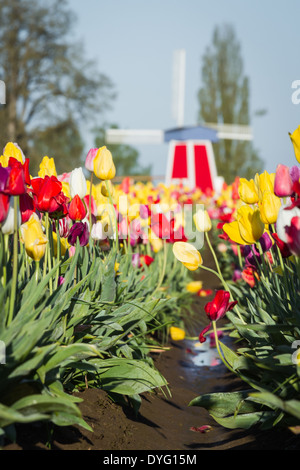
(190, 158)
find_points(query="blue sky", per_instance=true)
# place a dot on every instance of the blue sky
(132, 41)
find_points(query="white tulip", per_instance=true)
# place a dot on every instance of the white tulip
(97, 232)
(8, 225)
(77, 183)
(284, 219)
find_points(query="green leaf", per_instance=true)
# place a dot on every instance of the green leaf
(128, 377)
(225, 403)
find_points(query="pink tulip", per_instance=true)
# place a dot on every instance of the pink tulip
(90, 159)
(283, 184)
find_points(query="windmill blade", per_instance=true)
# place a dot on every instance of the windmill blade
(231, 131)
(178, 86)
(134, 136)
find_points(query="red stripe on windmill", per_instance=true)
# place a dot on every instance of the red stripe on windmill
(191, 158)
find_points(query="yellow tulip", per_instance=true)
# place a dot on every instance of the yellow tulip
(12, 150)
(47, 167)
(295, 138)
(64, 244)
(177, 334)
(194, 286)
(66, 189)
(247, 191)
(104, 167)
(104, 190)
(248, 228)
(4, 161)
(33, 237)
(202, 221)
(269, 207)
(188, 255)
(264, 182)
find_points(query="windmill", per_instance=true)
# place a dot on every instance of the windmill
(191, 158)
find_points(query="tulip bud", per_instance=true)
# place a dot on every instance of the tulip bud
(89, 165)
(79, 231)
(8, 225)
(202, 221)
(283, 185)
(269, 207)
(263, 182)
(188, 255)
(77, 210)
(33, 237)
(97, 232)
(103, 164)
(247, 191)
(77, 183)
(295, 138)
(104, 190)
(295, 173)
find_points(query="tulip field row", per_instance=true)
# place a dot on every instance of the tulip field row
(96, 275)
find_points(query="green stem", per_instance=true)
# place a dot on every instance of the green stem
(90, 201)
(214, 256)
(163, 269)
(218, 347)
(240, 256)
(37, 269)
(15, 263)
(115, 215)
(58, 251)
(48, 247)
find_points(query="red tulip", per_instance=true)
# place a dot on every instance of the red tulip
(293, 235)
(27, 207)
(48, 196)
(4, 206)
(217, 309)
(248, 275)
(17, 178)
(161, 226)
(146, 259)
(283, 247)
(77, 209)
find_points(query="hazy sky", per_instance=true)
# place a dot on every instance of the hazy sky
(133, 42)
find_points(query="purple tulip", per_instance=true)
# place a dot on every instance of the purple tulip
(79, 230)
(252, 254)
(4, 174)
(295, 173)
(135, 260)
